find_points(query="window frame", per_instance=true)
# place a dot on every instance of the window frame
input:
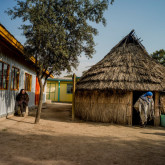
(28, 90)
(15, 89)
(71, 88)
(7, 76)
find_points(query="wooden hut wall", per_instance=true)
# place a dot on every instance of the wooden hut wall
(104, 106)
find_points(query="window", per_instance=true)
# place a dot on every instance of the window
(4, 75)
(28, 82)
(15, 78)
(69, 88)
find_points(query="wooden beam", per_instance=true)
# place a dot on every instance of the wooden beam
(157, 110)
(73, 97)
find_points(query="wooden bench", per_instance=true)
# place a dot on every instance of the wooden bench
(25, 113)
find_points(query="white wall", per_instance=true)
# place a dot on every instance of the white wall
(7, 97)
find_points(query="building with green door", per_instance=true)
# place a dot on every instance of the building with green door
(60, 89)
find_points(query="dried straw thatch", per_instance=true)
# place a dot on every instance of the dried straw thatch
(127, 67)
(105, 106)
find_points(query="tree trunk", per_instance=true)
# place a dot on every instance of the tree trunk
(38, 113)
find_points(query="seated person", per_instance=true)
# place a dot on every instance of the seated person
(22, 100)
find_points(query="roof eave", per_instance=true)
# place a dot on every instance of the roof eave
(13, 41)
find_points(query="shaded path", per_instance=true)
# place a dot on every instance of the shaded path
(55, 112)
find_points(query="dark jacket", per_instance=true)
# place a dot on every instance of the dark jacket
(22, 98)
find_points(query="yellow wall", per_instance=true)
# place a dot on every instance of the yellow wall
(64, 96)
(52, 91)
(53, 88)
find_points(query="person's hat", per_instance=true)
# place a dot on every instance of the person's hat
(149, 94)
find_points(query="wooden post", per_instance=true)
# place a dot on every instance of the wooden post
(73, 97)
(157, 111)
(129, 108)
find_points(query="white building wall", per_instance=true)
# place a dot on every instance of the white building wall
(7, 97)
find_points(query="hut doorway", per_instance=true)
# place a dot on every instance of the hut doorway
(135, 114)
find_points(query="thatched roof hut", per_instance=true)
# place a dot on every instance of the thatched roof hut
(108, 90)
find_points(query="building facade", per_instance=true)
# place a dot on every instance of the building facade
(60, 89)
(16, 73)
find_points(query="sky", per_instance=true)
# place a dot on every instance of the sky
(147, 17)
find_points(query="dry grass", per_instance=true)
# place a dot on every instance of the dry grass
(104, 106)
(127, 67)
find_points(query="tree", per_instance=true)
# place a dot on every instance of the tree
(159, 55)
(57, 32)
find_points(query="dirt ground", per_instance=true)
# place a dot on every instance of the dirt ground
(56, 140)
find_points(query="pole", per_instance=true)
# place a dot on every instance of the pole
(58, 91)
(73, 96)
(157, 111)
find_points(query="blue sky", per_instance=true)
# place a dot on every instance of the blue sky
(147, 17)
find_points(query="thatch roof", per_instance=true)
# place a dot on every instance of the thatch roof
(127, 67)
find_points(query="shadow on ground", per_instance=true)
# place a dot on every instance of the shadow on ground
(23, 143)
(160, 134)
(55, 112)
(47, 149)
(63, 112)
(19, 121)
